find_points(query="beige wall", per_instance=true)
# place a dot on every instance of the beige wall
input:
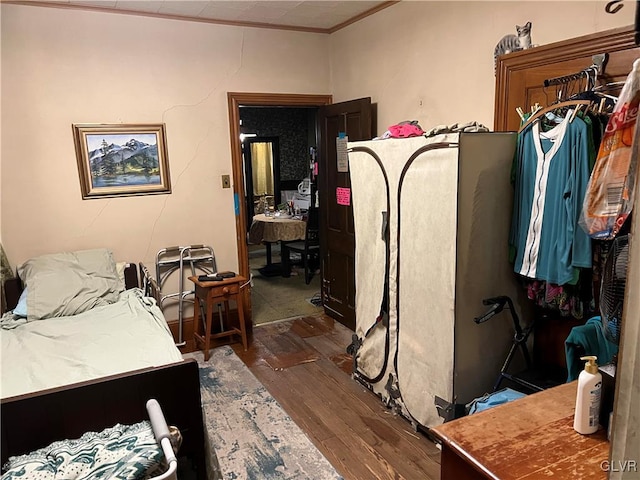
(430, 61)
(433, 61)
(63, 66)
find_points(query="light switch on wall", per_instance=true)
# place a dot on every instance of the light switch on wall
(226, 181)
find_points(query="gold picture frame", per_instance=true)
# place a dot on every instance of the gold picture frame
(122, 159)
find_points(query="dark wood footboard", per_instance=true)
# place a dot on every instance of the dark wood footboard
(12, 289)
(35, 420)
(131, 276)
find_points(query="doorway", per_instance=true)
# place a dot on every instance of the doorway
(250, 256)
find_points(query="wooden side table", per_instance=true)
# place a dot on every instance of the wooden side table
(211, 293)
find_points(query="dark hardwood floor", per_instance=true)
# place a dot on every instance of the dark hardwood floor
(304, 365)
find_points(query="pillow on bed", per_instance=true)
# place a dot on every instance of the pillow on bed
(65, 284)
(120, 268)
(97, 262)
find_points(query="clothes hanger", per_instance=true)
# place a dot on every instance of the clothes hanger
(540, 113)
(601, 98)
(534, 109)
(588, 86)
(608, 86)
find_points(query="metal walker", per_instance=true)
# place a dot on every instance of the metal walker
(175, 259)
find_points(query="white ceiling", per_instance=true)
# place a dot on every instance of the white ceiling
(323, 15)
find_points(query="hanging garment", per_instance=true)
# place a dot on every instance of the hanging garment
(579, 300)
(587, 339)
(551, 176)
(574, 301)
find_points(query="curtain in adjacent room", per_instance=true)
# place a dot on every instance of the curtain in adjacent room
(262, 168)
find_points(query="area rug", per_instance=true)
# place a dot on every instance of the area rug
(252, 436)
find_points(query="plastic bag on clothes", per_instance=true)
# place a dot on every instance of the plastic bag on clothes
(610, 192)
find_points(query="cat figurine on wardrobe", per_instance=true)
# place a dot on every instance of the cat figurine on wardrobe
(513, 43)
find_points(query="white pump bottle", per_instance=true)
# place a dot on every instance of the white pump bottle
(587, 414)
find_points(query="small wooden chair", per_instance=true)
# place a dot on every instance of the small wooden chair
(309, 248)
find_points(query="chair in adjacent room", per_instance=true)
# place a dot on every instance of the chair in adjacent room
(309, 248)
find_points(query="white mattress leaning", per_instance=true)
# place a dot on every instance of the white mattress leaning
(127, 335)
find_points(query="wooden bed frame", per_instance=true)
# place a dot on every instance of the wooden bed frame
(35, 420)
(149, 284)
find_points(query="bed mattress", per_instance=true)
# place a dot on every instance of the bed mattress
(127, 335)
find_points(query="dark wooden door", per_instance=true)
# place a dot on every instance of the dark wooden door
(337, 241)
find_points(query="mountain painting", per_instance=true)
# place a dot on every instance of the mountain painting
(120, 160)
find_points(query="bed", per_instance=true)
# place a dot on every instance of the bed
(82, 349)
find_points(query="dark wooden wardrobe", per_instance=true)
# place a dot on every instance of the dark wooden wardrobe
(520, 80)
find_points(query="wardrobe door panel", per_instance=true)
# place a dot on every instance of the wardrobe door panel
(370, 202)
(426, 281)
(485, 201)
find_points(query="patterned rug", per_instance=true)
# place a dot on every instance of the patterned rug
(252, 436)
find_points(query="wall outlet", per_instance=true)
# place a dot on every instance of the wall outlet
(226, 181)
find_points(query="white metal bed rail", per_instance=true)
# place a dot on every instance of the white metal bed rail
(163, 437)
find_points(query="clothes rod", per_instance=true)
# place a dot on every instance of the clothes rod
(597, 68)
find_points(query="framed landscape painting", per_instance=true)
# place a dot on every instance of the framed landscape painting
(121, 160)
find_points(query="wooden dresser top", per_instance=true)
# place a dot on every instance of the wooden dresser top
(532, 437)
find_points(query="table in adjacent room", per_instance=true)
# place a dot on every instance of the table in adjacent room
(267, 230)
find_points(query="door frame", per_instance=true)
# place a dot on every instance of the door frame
(235, 100)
